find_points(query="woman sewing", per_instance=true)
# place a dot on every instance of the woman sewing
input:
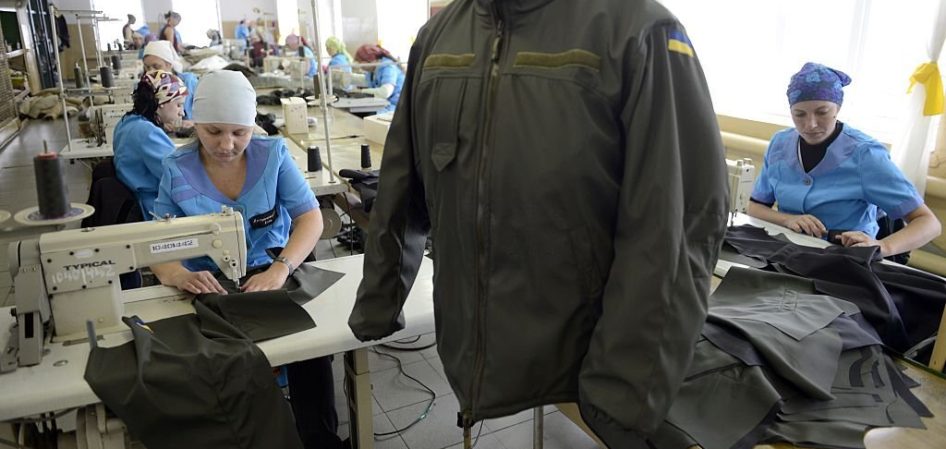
(826, 176)
(229, 166)
(140, 141)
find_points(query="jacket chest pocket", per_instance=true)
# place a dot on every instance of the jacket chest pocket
(447, 110)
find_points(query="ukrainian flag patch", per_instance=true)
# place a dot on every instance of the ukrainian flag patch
(679, 42)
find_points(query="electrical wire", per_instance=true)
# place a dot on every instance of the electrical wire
(394, 344)
(427, 409)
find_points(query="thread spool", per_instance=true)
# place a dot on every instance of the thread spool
(365, 156)
(116, 63)
(80, 80)
(108, 47)
(301, 51)
(314, 161)
(105, 73)
(50, 187)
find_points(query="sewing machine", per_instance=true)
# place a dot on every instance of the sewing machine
(741, 180)
(293, 66)
(70, 278)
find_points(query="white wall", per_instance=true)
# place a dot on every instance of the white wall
(73, 4)
(399, 23)
(359, 22)
(155, 11)
(236, 10)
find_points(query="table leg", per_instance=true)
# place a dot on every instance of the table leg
(360, 403)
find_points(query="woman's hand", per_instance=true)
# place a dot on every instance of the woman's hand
(272, 279)
(196, 282)
(860, 239)
(807, 224)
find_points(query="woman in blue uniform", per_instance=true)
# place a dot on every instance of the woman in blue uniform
(826, 175)
(293, 44)
(385, 80)
(158, 55)
(340, 62)
(140, 141)
(228, 166)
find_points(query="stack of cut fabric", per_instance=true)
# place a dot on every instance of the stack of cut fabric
(779, 362)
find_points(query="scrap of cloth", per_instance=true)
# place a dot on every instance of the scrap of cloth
(779, 362)
(896, 300)
(193, 381)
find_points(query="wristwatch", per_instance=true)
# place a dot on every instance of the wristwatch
(286, 262)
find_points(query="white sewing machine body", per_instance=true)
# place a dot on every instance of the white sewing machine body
(71, 278)
(741, 181)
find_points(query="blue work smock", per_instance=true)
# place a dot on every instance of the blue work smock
(190, 81)
(340, 62)
(273, 194)
(139, 147)
(845, 189)
(387, 73)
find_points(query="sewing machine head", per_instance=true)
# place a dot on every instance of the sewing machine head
(741, 179)
(71, 277)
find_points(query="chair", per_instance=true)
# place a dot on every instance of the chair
(114, 203)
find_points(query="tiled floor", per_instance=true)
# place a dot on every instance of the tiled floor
(398, 400)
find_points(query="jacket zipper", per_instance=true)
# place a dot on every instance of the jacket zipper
(482, 218)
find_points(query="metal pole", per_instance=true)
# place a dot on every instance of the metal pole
(322, 104)
(538, 428)
(95, 35)
(85, 64)
(62, 88)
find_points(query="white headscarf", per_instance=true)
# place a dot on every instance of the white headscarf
(163, 50)
(225, 97)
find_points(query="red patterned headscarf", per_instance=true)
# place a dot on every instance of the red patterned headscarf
(371, 53)
(166, 85)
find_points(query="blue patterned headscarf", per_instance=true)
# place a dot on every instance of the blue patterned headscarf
(817, 82)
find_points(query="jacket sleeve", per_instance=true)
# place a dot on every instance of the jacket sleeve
(671, 218)
(397, 230)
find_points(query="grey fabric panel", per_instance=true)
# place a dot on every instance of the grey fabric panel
(193, 381)
(828, 435)
(786, 302)
(697, 409)
(809, 364)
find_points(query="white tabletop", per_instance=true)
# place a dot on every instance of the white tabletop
(48, 387)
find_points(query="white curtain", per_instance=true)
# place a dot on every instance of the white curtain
(912, 151)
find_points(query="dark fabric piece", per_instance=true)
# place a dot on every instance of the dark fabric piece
(811, 155)
(304, 285)
(114, 203)
(897, 301)
(312, 395)
(260, 315)
(365, 182)
(62, 32)
(721, 406)
(192, 381)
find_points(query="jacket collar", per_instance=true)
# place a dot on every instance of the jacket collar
(507, 9)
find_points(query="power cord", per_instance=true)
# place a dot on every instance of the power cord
(427, 409)
(394, 345)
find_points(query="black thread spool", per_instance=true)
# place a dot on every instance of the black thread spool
(108, 47)
(314, 162)
(80, 80)
(116, 63)
(50, 187)
(365, 156)
(105, 73)
(301, 51)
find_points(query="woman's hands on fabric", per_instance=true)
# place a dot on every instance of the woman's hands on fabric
(272, 279)
(807, 224)
(860, 239)
(197, 282)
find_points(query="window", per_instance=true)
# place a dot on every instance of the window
(197, 16)
(110, 32)
(750, 49)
